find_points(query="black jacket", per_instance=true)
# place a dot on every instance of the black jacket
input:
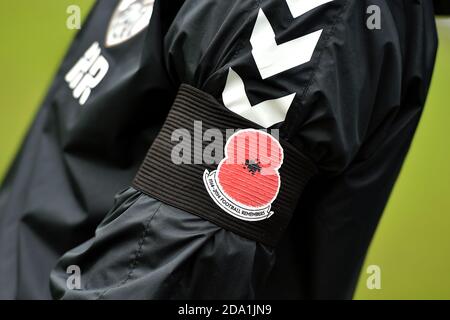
(353, 96)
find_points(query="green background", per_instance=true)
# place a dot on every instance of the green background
(412, 244)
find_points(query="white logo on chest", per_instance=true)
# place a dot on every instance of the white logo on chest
(130, 18)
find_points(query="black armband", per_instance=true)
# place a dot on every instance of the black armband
(252, 186)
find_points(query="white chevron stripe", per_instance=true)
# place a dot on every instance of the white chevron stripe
(266, 113)
(272, 58)
(300, 7)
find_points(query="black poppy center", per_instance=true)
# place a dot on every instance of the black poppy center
(253, 166)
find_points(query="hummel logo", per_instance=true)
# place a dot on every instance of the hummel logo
(300, 7)
(271, 59)
(266, 113)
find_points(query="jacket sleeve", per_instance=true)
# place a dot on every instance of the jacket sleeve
(314, 72)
